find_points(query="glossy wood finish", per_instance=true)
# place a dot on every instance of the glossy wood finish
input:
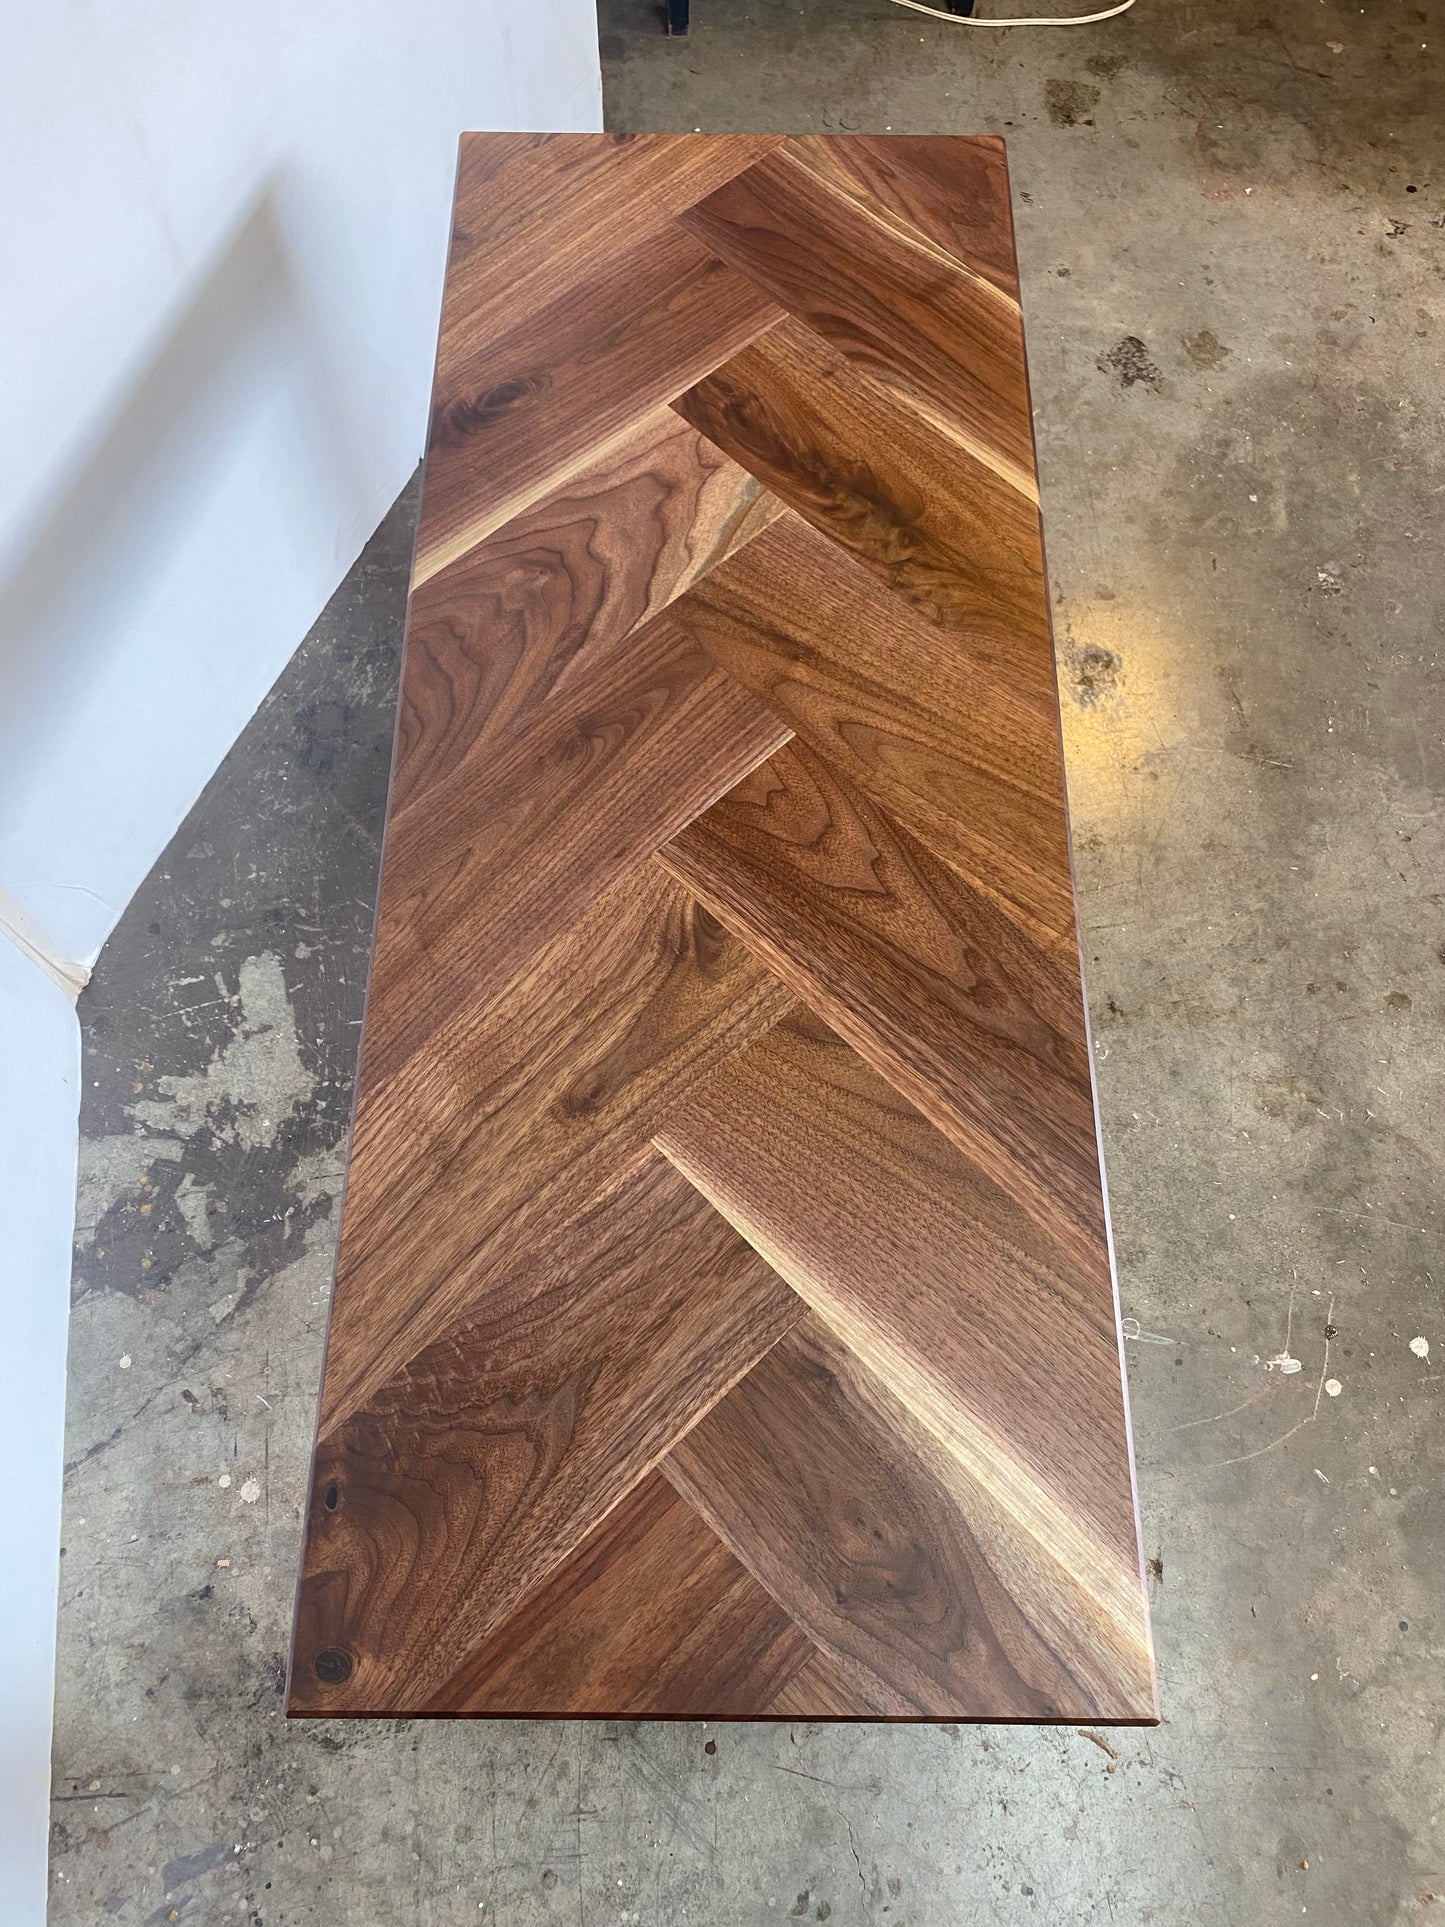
(533, 214)
(922, 973)
(953, 192)
(537, 610)
(514, 1114)
(651, 1617)
(600, 778)
(911, 313)
(857, 1518)
(960, 760)
(845, 453)
(638, 328)
(930, 1269)
(724, 1324)
(596, 1350)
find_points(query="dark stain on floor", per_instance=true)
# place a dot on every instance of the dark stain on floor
(1205, 349)
(1070, 103)
(1131, 364)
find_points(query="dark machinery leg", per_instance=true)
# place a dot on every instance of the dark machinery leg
(677, 15)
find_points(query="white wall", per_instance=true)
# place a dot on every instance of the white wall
(222, 238)
(39, 1097)
(222, 235)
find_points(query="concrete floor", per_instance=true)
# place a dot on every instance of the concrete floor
(1231, 230)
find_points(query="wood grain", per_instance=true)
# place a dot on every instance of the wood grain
(724, 1322)
(951, 191)
(980, 1026)
(909, 312)
(858, 1519)
(818, 1691)
(513, 1116)
(472, 1473)
(652, 1617)
(515, 415)
(543, 605)
(992, 1336)
(592, 785)
(959, 759)
(906, 501)
(535, 212)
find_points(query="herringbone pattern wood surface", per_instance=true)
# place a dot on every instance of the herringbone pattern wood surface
(724, 1322)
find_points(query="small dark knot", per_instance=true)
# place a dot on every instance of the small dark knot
(332, 1666)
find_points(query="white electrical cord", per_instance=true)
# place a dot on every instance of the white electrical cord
(1033, 20)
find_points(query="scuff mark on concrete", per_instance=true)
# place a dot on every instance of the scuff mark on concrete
(112, 1171)
(192, 1201)
(253, 1083)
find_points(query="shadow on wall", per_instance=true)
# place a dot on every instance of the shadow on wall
(243, 350)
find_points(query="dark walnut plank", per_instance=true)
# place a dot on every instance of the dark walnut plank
(515, 414)
(954, 192)
(924, 975)
(956, 755)
(502, 854)
(908, 502)
(948, 340)
(534, 212)
(518, 1112)
(650, 1618)
(542, 606)
(880, 1545)
(481, 1465)
(817, 1691)
(992, 1336)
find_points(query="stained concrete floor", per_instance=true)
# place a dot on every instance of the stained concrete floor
(1231, 224)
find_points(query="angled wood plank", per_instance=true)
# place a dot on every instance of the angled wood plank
(1000, 1343)
(924, 975)
(507, 850)
(546, 602)
(533, 212)
(651, 1617)
(480, 1466)
(954, 192)
(958, 757)
(889, 1555)
(908, 502)
(908, 311)
(516, 414)
(818, 1691)
(513, 1116)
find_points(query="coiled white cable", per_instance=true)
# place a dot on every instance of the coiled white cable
(1034, 20)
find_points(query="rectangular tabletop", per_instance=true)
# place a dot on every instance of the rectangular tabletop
(724, 1321)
